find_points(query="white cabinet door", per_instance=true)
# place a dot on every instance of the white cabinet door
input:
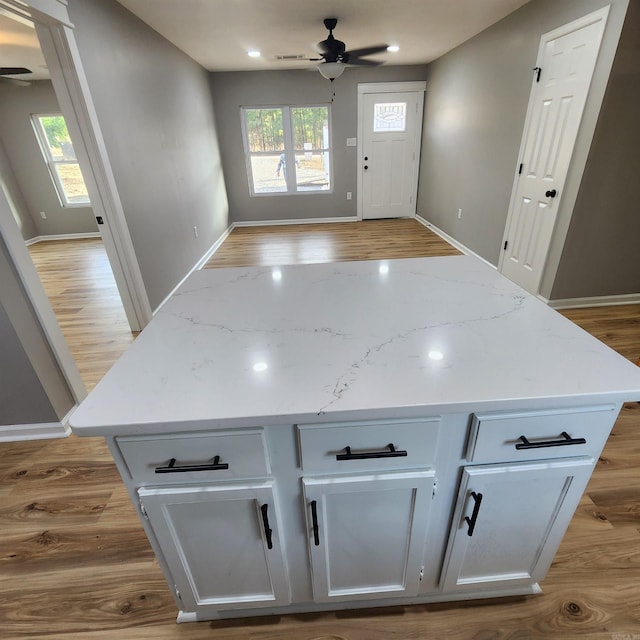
(367, 533)
(221, 543)
(509, 521)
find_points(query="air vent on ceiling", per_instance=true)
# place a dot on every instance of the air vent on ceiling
(294, 56)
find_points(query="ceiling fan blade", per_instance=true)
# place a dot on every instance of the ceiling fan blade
(13, 71)
(359, 62)
(366, 51)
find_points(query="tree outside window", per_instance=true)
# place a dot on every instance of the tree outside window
(287, 149)
(57, 149)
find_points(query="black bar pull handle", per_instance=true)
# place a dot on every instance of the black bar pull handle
(566, 440)
(214, 465)
(265, 523)
(314, 523)
(471, 521)
(392, 452)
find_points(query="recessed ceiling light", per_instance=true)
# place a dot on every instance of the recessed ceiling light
(253, 53)
(393, 48)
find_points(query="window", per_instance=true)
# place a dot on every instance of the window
(57, 149)
(287, 149)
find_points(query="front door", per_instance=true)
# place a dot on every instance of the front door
(389, 153)
(562, 78)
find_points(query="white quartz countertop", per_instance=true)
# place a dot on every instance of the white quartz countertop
(351, 340)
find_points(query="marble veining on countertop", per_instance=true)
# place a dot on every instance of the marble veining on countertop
(291, 342)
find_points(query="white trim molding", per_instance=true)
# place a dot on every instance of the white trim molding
(452, 241)
(62, 236)
(595, 301)
(41, 431)
(271, 223)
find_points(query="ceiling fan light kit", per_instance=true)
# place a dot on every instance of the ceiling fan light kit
(336, 57)
(331, 70)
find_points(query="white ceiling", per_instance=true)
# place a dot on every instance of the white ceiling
(218, 33)
(19, 47)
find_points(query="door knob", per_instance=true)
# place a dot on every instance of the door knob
(551, 194)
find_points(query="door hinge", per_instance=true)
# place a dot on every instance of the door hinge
(433, 491)
(177, 592)
(538, 70)
(506, 242)
(421, 574)
(143, 511)
(520, 168)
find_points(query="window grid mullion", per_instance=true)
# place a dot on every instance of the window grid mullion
(289, 152)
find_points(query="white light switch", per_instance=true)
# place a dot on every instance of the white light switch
(352, 142)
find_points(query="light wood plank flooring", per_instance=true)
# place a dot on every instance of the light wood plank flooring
(79, 283)
(75, 564)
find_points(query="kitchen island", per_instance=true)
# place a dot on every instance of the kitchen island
(355, 434)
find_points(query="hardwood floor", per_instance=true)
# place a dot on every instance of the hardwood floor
(75, 564)
(79, 283)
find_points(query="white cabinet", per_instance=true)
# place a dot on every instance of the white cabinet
(366, 534)
(221, 543)
(509, 520)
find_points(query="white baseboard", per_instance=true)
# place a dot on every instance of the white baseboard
(196, 267)
(452, 241)
(269, 223)
(63, 236)
(595, 301)
(42, 431)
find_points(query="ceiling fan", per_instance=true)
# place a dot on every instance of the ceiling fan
(335, 56)
(5, 72)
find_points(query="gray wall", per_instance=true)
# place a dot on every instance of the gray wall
(32, 387)
(601, 254)
(156, 115)
(17, 103)
(261, 88)
(475, 110)
(14, 196)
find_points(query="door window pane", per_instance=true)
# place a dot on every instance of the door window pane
(389, 116)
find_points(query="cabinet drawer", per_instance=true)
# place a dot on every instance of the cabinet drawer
(533, 435)
(240, 454)
(363, 446)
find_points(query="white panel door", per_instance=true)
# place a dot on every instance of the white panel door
(561, 83)
(367, 533)
(509, 521)
(390, 153)
(221, 543)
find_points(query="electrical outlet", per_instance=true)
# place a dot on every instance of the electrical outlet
(348, 195)
(195, 232)
(459, 214)
(43, 215)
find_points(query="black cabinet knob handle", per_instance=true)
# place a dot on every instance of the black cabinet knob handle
(365, 167)
(366, 158)
(551, 194)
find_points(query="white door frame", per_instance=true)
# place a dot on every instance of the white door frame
(596, 16)
(57, 40)
(378, 87)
